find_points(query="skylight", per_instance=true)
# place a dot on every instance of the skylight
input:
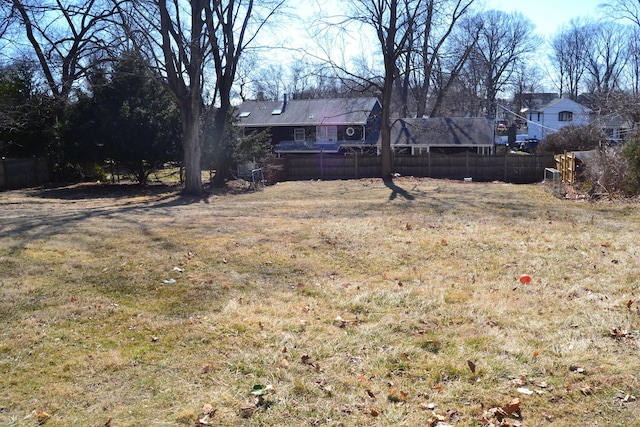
(244, 114)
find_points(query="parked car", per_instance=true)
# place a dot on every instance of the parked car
(529, 145)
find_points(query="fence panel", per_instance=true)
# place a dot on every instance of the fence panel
(513, 168)
(21, 173)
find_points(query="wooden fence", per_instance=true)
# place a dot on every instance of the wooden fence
(514, 168)
(566, 164)
(21, 173)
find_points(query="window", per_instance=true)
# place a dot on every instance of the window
(245, 114)
(327, 133)
(298, 135)
(565, 116)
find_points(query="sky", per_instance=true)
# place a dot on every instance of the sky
(549, 15)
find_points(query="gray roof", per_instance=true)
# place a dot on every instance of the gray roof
(306, 112)
(443, 132)
(542, 108)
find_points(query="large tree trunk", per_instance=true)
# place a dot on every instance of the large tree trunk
(192, 150)
(385, 133)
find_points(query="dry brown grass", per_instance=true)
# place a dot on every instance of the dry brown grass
(356, 302)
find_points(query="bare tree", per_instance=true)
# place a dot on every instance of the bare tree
(633, 66)
(430, 57)
(393, 22)
(570, 50)
(623, 9)
(506, 41)
(180, 38)
(448, 67)
(67, 39)
(171, 36)
(232, 27)
(8, 16)
(606, 55)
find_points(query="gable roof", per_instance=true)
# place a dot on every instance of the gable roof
(443, 132)
(573, 105)
(306, 112)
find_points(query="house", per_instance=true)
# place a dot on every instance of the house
(314, 125)
(615, 126)
(446, 135)
(555, 115)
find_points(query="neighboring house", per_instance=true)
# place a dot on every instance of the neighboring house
(616, 127)
(445, 135)
(555, 115)
(314, 125)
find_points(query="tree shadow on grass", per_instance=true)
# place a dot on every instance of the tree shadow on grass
(41, 220)
(397, 191)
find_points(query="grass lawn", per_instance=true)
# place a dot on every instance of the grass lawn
(345, 303)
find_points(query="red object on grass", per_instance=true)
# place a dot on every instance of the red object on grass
(525, 278)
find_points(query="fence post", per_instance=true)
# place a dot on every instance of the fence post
(356, 159)
(466, 163)
(3, 173)
(504, 168)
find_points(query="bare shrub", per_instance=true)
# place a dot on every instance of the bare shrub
(573, 138)
(606, 171)
(631, 153)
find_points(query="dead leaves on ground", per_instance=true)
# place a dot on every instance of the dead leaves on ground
(508, 415)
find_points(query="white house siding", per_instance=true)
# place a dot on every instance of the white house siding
(544, 120)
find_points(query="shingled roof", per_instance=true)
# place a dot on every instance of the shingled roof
(306, 112)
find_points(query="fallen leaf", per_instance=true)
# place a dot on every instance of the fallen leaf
(472, 366)
(520, 381)
(535, 353)
(259, 389)
(371, 394)
(247, 411)
(396, 395)
(206, 368)
(586, 390)
(512, 408)
(408, 226)
(629, 303)
(339, 322)
(207, 409)
(43, 417)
